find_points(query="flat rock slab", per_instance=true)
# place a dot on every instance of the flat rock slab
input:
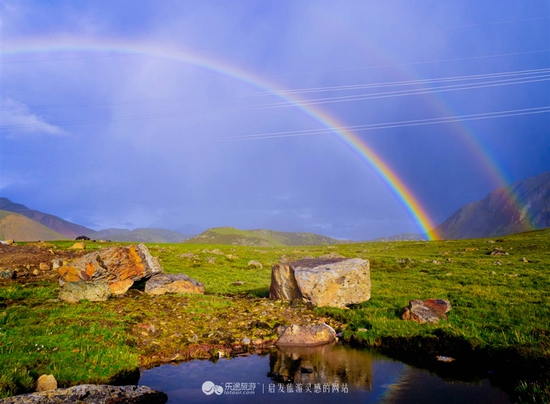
(93, 291)
(428, 311)
(308, 335)
(336, 282)
(173, 283)
(91, 393)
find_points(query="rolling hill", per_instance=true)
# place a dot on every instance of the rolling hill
(14, 226)
(499, 214)
(263, 238)
(58, 225)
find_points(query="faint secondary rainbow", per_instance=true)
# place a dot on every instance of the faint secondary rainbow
(483, 156)
(59, 44)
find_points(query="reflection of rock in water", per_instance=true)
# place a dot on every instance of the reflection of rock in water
(323, 364)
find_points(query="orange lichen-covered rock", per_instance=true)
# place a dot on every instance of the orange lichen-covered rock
(116, 266)
(120, 287)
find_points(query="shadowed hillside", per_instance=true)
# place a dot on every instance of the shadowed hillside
(58, 225)
(17, 227)
(522, 206)
(230, 235)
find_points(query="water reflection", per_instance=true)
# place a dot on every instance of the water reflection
(327, 364)
(327, 374)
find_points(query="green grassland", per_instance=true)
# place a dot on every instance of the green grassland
(500, 311)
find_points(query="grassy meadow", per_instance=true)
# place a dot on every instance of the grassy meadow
(500, 311)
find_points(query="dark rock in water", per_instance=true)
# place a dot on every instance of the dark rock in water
(91, 393)
(173, 283)
(307, 335)
(427, 311)
(336, 282)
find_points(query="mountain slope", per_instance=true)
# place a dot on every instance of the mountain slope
(264, 238)
(58, 225)
(143, 235)
(498, 214)
(14, 226)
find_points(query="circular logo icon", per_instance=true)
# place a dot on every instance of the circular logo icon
(208, 388)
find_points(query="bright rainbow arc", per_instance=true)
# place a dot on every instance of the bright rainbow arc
(353, 141)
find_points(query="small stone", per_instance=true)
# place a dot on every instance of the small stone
(254, 264)
(498, 251)
(46, 382)
(36, 272)
(427, 311)
(525, 259)
(44, 267)
(238, 283)
(362, 329)
(56, 264)
(246, 341)
(258, 341)
(7, 274)
(78, 246)
(446, 359)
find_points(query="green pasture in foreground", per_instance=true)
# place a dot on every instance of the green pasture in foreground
(499, 302)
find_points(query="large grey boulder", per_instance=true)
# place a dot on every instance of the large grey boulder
(91, 393)
(336, 282)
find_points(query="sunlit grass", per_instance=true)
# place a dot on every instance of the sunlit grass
(499, 303)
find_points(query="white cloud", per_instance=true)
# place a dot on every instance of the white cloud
(17, 119)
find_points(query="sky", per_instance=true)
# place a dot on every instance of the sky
(356, 119)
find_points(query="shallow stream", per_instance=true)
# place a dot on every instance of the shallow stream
(326, 374)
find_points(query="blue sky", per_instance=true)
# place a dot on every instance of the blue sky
(97, 131)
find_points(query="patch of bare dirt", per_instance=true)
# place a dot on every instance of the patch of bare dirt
(31, 262)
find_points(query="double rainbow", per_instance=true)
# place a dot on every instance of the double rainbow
(59, 44)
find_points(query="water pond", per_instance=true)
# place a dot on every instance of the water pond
(327, 374)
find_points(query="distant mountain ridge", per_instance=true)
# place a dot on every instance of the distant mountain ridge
(58, 225)
(141, 235)
(403, 237)
(260, 238)
(498, 214)
(14, 226)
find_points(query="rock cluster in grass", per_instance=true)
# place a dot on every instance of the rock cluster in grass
(91, 393)
(113, 271)
(172, 283)
(426, 312)
(336, 282)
